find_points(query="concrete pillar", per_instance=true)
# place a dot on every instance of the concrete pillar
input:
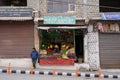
(93, 49)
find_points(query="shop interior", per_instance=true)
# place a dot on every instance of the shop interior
(62, 44)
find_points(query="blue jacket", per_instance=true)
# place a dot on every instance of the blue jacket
(34, 55)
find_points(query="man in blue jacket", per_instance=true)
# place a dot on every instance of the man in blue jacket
(34, 57)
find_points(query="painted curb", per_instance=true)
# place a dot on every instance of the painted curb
(84, 75)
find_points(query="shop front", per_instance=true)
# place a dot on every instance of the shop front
(16, 33)
(16, 39)
(109, 41)
(61, 44)
(109, 44)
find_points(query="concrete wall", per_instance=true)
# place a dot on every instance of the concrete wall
(93, 48)
(93, 9)
(84, 8)
(33, 4)
(23, 62)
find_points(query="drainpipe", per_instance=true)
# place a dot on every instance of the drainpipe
(36, 32)
(84, 9)
(85, 15)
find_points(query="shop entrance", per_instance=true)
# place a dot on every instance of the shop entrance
(57, 47)
(64, 45)
(79, 46)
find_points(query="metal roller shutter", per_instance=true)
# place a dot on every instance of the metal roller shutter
(110, 50)
(16, 39)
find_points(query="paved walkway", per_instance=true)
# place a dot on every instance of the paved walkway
(46, 77)
(61, 70)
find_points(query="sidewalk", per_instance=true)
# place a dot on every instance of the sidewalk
(64, 70)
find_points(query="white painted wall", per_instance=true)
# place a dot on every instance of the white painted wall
(23, 62)
(33, 4)
(85, 49)
(93, 48)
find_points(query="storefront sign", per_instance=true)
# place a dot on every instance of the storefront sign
(15, 13)
(111, 16)
(59, 20)
(108, 27)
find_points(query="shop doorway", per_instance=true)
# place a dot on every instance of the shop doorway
(79, 47)
(57, 47)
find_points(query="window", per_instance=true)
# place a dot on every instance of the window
(61, 6)
(109, 5)
(13, 2)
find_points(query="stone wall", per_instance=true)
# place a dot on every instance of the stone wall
(93, 48)
(33, 4)
(84, 8)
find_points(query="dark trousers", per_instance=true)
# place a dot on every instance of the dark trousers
(34, 63)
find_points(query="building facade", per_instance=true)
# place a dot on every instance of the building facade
(88, 52)
(16, 31)
(58, 23)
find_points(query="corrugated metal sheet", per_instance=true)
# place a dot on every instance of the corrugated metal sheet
(16, 39)
(110, 50)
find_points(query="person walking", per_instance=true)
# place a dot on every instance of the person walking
(34, 57)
